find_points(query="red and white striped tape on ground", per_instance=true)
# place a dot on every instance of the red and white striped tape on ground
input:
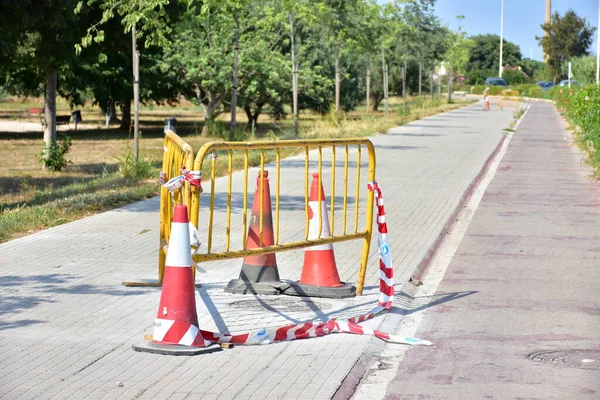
(317, 329)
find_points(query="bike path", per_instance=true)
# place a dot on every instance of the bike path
(529, 263)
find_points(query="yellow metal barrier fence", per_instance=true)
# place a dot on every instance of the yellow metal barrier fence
(510, 96)
(177, 155)
(255, 154)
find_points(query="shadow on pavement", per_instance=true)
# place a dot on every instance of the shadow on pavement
(20, 293)
(406, 304)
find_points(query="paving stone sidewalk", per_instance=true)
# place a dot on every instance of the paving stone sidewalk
(67, 324)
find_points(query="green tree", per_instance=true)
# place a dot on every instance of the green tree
(200, 58)
(484, 57)
(514, 77)
(38, 39)
(104, 70)
(457, 54)
(530, 67)
(565, 37)
(583, 69)
(341, 21)
(265, 72)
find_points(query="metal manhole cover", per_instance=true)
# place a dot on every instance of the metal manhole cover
(282, 305)
(585, 359)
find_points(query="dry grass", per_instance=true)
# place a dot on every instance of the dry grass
(33, 199)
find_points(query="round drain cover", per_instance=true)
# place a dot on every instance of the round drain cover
(585, 359)
(282, 305)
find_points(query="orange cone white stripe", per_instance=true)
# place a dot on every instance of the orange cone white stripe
(319, 261)
(313, 224)
(176, 321)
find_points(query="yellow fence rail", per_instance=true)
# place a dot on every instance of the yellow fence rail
(256, 154)
(177, 154)
(347, 221)
(511, 97)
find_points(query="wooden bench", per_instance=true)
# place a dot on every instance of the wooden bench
(63, 119)
(36, 111)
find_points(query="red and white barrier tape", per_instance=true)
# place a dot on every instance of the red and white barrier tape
(317, 329)
(173, 184)
(195, 179)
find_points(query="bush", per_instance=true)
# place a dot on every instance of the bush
(496, 90)
(514, 77)
(524, 88)
(222, 129)
(581, 106)
(536, 92)
(403, 110)
(478, 89)
(583, 69)
(131, 168)
(54, 157)
(478, 76)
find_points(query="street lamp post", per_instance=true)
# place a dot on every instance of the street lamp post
(501, 32)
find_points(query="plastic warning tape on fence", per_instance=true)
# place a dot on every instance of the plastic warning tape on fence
(173, 184)
(318, 329)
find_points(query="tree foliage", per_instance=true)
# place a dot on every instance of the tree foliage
(223, 52)
(484, 57)
(566, 36)
(583, 69)
(485, 53)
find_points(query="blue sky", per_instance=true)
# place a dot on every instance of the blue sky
(522, 18)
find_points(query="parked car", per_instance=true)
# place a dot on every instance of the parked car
(496, 82)
(545, 85)
(565, 82)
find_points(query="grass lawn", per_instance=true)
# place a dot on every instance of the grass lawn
(32, 199)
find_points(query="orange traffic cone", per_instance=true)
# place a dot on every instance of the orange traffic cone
(486, 102)
(176, 329)
(259, 273)
(319, 276)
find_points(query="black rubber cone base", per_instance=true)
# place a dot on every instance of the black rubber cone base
(341, 292)
(241, 286)
(174, 350)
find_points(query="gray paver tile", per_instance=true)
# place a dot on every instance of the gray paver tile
(65, 310)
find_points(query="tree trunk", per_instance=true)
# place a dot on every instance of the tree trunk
(50, 111)
(112, 112)
(420, 76)
(368, 85)
(248, 111)
(450, 85)
(337, 80)
(125, 115)
(294, 78)
(376, 101)
(136, 95)
(207, 120)
(431, 84)
(253, 116)
(210, 108)
(235, 71)
(404, 86)
(387, 89)
(384, 81)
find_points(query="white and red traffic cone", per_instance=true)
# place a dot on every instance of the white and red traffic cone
(320, 277)
(176, 329)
